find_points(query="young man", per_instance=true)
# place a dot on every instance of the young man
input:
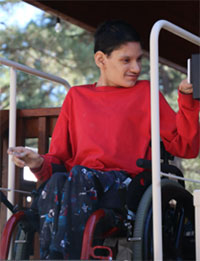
(103, 128)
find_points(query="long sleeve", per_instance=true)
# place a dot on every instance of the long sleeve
(60, 148)
(180, 131)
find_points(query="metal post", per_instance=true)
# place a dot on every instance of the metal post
(12, 135)
(197, 226)
(155, 124)
(155, 137)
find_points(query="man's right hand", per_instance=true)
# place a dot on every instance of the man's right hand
(22, 157)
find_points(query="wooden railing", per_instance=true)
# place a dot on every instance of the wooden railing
(31, 123)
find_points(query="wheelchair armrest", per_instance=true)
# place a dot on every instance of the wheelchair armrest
(166, 168)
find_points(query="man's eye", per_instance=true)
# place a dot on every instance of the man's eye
(126, 60)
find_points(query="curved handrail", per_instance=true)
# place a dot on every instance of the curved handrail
(155, 123)
(12, 112)
(35, 72)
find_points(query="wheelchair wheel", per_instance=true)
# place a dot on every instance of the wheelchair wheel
(177, 224)
(22, 242)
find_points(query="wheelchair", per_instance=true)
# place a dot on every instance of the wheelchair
(106, 227)
(177, 220)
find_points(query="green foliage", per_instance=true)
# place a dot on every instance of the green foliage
(68, 54)
(192, 171)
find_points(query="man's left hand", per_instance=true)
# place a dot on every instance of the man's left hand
(185, 87)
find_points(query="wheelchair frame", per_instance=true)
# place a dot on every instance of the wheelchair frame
(181, 239)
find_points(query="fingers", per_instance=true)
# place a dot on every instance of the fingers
(185, 87)
(18, 162)
(19, 151)
(22, 156)
(18, 155)
(16, 150)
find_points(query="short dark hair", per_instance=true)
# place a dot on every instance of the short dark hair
(110, 35)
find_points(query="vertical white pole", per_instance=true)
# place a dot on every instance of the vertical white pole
(188, 71)
(12, 135)
(197, 226)
(155, 127)
(155, 137)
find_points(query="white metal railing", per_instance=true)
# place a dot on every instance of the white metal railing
(12, 113)
(155, 125)
(172, 176)
(197, 218)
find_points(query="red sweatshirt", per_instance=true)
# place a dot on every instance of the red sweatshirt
(108, 128)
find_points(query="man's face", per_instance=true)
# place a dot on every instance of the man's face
(123, 66)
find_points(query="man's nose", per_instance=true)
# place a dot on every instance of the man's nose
(135, 67)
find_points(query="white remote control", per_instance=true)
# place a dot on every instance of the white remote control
(189, 70)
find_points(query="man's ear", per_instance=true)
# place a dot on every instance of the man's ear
(99, 58)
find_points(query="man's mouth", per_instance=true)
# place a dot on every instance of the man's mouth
(134, 76)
